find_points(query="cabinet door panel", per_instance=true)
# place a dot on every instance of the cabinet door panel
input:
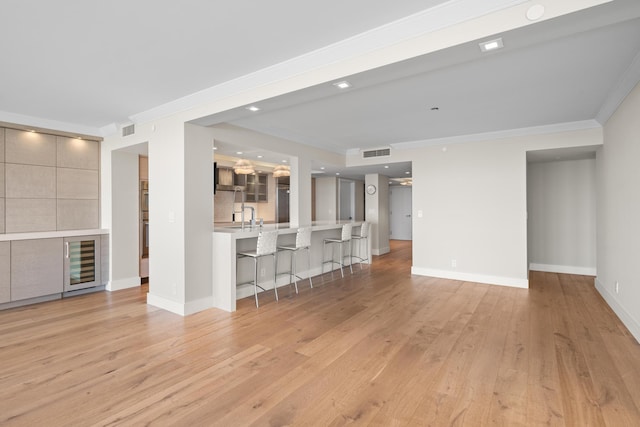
(36, 268)
(77, 153)
(30, 148)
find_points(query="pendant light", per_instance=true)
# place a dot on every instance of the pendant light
(280, 171)
(243, 167)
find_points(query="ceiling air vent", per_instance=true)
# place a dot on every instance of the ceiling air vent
(377, 153)
(129, 130)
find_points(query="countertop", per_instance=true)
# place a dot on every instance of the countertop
(284, 228)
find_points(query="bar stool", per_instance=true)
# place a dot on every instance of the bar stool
(303, 241)
(361, 238)
(267, 245)
(345, 238)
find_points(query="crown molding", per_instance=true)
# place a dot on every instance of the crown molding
(44, 125)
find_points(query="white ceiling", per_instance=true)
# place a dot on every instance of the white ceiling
(91, 64)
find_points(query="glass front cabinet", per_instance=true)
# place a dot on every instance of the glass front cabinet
(81, 262)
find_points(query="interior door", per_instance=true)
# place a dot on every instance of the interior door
(400, 212)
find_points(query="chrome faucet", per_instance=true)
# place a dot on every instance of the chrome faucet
(253, 215)
(242, 209)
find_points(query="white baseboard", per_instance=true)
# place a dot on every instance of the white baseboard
(469, 277)
(129, 282)
(180, 308)
(563, 269)
(629, 321)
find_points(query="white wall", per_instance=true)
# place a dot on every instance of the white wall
(473, 201)
(125, 250)
(561, 207)
(618, 212)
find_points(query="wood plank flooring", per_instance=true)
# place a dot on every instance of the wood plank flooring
(379, 347)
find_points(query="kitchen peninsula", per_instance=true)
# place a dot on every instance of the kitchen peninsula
(227, 241)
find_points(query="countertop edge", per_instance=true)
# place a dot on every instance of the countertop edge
(50, 234)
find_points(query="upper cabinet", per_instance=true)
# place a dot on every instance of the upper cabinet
(29, 148)
(256, 187)
(49, 182)
(77, 153)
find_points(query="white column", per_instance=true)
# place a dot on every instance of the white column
(377, 214)
(300, 192)
(180, 217)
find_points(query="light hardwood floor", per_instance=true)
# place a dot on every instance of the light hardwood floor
(379, 348)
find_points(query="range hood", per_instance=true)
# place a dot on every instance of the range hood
(224, 179)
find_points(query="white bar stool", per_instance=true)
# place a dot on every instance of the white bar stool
(345, 238)
(361, 238)
(303, 241)
(267, 245)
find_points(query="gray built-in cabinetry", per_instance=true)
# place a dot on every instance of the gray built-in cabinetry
(49, 188)
(36, 268)
(51, 183)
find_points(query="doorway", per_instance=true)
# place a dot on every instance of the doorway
(346, 199)
(400, 212)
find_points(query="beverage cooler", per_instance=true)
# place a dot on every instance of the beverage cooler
(81, 262)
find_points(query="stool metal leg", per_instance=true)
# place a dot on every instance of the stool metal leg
(341, 260)
(293, 269)
(255, 279)
(309, 258)
(275, 273)
(350, 256)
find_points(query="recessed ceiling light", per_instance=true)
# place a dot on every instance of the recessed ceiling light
(386, 166)
(215, 148)
(408, 173)
(259, 157)
(337, 173)
(342, 85)
(491, 45)
(253, 108)
(322, 168)
(284, 161)
(240, 153)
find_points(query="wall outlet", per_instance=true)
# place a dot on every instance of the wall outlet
(617, 287)
(454, 263)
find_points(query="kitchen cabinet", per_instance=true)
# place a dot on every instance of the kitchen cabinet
(255, 185)
(36, 268)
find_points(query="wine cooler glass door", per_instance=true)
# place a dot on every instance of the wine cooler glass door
(81, 262)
